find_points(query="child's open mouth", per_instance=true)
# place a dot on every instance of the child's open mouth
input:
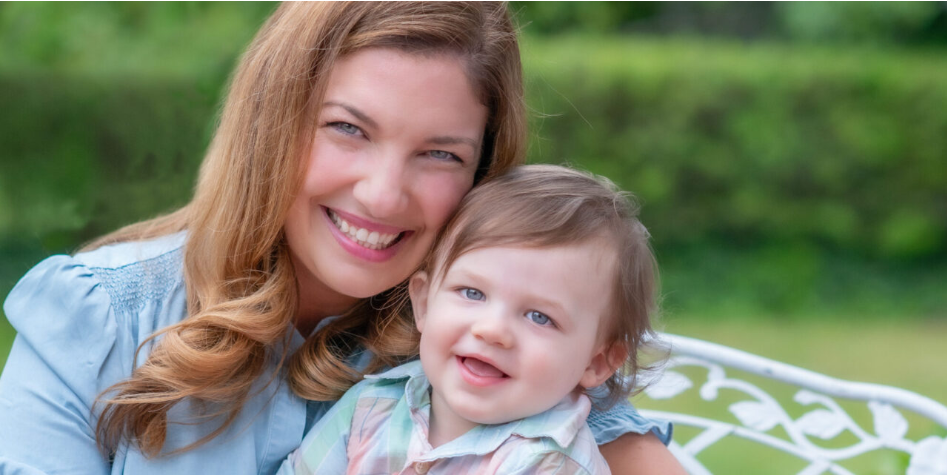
(481, 368)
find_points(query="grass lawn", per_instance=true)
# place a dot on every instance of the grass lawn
(907, 354)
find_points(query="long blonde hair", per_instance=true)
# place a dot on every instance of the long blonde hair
(240, 283)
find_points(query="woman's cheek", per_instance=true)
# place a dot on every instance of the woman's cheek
(330, 162)
(444, 196)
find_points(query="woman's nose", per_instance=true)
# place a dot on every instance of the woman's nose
(493, 330)
(383, 188)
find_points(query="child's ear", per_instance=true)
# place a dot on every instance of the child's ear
(418, 288)
(603, 365)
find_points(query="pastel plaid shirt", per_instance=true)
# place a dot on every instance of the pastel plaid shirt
(381, 426)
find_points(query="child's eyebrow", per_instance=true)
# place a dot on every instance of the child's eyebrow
(463, 274)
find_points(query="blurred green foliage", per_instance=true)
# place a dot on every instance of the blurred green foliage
(107, 108)
(193, 40)
(914, 23)
(755, 143)
(776, 179)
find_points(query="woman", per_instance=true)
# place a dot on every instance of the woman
(350, 133)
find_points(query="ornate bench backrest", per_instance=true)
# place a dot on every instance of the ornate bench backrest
(757, 416)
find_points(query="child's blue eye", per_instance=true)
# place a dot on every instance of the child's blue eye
(472, 294)
(538, 318)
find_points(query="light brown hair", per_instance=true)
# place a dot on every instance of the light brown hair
(541, 206)
(240, 283)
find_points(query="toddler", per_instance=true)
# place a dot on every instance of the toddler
(540, 288)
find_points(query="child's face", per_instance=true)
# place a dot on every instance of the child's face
(508, 332)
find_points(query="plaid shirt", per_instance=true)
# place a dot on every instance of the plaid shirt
(381, 426)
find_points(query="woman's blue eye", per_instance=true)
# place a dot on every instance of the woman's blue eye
(345, 128)
(442, 155)
(472, 294)
(538, 318)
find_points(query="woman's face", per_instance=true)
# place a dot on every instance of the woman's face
(396, 145)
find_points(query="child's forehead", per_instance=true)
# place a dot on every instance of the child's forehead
(597, 254)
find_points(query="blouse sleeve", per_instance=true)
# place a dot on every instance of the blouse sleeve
(63, 354)
(621, 419)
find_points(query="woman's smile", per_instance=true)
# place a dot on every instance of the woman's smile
(365, 239)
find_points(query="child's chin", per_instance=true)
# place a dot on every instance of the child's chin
(495, 417)
(480, 415)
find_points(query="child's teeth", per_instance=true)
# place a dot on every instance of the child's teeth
(344, 227)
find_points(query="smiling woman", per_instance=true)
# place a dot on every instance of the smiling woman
(378, 187)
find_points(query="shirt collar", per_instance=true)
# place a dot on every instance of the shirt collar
(416, 390)
(561, 423)
(410, 369)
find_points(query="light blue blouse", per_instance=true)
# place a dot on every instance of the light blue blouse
(79, 321)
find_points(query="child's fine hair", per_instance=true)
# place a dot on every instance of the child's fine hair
(541, 206)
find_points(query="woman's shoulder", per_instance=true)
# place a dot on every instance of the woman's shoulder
(119, 278)
(99, 303)
(124, 254)
(79, 322)
(134, 273)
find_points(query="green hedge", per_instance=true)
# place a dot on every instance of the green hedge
(841, 148)
(83, 156)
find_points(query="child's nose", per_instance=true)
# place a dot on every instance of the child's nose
(493, 330)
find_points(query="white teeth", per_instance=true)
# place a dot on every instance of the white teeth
(364, 237)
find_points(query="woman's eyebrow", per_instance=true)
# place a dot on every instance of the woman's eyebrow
(448, 140)
(354, 111)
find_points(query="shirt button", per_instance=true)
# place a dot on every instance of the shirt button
(422, 467)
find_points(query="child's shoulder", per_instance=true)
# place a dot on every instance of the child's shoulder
(393, 383)
(557, 438)
(541, 454)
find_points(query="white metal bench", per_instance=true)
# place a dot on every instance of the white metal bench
(818, 430)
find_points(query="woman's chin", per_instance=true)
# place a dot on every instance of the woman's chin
(359, 285)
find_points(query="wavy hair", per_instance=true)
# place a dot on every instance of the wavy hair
(240, 282)
(541, 206)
